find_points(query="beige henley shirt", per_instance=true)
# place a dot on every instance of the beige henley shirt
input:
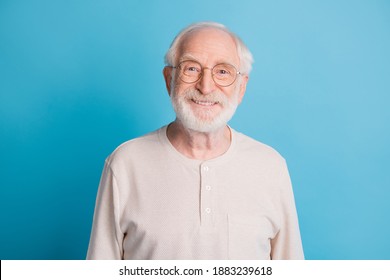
(154, 203)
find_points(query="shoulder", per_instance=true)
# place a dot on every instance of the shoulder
(253, 148)
(136, 148)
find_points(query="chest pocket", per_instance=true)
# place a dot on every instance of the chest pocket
(250, 237)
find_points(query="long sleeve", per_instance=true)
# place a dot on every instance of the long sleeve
(287, 243)
(106, 236)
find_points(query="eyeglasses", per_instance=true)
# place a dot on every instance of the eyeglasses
(191, 71)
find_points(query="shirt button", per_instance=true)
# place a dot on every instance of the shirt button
(206, 168)
(208, 210)
(208, 187)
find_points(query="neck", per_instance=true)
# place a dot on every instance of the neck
(199, 145)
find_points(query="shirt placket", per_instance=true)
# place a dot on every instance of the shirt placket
(207, 205)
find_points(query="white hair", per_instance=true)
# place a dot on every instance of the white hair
(245, 56)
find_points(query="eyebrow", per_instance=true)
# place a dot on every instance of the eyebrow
(188, 56)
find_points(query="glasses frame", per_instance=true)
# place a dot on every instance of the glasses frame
(211, 69)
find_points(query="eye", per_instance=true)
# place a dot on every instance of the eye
(192, 69)
(222, 72)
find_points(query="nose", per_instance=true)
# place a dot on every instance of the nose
(206, 84)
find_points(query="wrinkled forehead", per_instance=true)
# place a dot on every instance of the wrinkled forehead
(208, 45)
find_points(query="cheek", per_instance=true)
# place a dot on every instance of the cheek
(180, 87)
(238, 92)
(233, 93)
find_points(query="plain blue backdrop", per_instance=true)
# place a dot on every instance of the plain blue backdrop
(77, 78)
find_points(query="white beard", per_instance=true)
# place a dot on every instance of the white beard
(203, 120)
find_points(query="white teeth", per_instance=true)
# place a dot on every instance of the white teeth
(204, 103)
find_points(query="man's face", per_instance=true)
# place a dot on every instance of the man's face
(204, 105)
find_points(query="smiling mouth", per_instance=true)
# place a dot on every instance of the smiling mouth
(204, 103)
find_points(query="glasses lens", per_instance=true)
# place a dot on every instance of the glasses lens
(224, 74)
(190, 71)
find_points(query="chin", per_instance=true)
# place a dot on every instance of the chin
(206, 125)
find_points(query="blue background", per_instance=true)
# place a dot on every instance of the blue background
(77, 78)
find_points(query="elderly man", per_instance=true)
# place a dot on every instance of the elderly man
(197, 189)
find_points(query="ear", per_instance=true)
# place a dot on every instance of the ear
(244, 81)
(167, 72)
